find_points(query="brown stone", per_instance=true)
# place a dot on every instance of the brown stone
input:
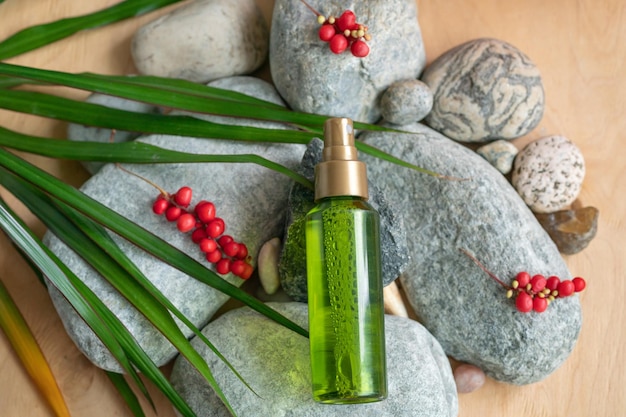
(571, 230)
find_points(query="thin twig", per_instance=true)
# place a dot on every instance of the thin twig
(488, 272)
(311, 8)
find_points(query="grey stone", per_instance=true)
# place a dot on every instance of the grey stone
(313, 79)
(484, 89)
(250, 198)
(79, 132)
(406, 101)
(275, 362)
(500, 154)
(203, 40)
(461, 305)
(548, 174)
(292, 264)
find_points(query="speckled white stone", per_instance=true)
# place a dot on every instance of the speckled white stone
(500, 154)
(406, 101)
(548, 174)
(203, 40)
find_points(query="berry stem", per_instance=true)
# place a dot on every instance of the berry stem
(311, 8)
(161, 190)
(488, 272)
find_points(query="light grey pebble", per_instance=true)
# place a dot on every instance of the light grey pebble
(500, 154)
(464, 308)
(203, 40)
(312, 79)
(78, 132)
(484, 89)
(275, 362)
(548, 174)
(406, 101)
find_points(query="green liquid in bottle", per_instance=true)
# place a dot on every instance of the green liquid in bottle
(346, 316)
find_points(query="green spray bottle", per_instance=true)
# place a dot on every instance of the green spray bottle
(346, 314)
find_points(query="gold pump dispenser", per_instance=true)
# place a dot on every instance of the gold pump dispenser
(340, 173)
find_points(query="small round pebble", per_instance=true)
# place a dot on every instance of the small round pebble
(548, 174)
(468, 378)
(500, 154)
(268, 265)
(406, 102)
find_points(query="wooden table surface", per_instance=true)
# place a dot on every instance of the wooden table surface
(580, 48)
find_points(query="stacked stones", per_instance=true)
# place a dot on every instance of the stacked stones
(485, 91)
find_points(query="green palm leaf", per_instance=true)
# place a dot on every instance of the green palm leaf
(41, 35)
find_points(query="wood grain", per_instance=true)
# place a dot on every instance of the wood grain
(580, 50)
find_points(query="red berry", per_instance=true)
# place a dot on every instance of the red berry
(523, 278)
(524, 302)
(579, 284)
(565, 288)
(540, 304)
(186, 222)
(238, 267)
(347, 20)
(243, 251)
(359, 49)
(214, 256)
(173, 213)
(215, 227)
(538, 283)
(183, 196)
(553, 282)
(225, 240)
(338, 43)
(326, 32)
(205, 211)
(198, 235)
(160, 205)
(207, 245)
(231, 249)
(247, 272)
(223, 266)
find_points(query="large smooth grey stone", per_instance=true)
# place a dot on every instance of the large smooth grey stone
(292, 264)
(313, 79)
(275, 362)
(203, 40)
(462, 306)
(250, 198)
(484, 89)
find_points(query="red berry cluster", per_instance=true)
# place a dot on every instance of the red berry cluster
(344, 31)
(536, 292)
(207, 231)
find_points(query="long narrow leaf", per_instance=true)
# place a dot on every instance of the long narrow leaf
(130, 152)
(136, 234)
(104, 323)
(96, 115)
(40, 35)
(26, 347)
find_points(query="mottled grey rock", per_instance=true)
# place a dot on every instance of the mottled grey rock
(275, 362)
(313, 79)
(79, 132)
(406, 101)
(250, 198)
(292, 264)
(203, 40)
(484, 89)
(548, 174)
(500, 154)
(571, 230)
(461, 305)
